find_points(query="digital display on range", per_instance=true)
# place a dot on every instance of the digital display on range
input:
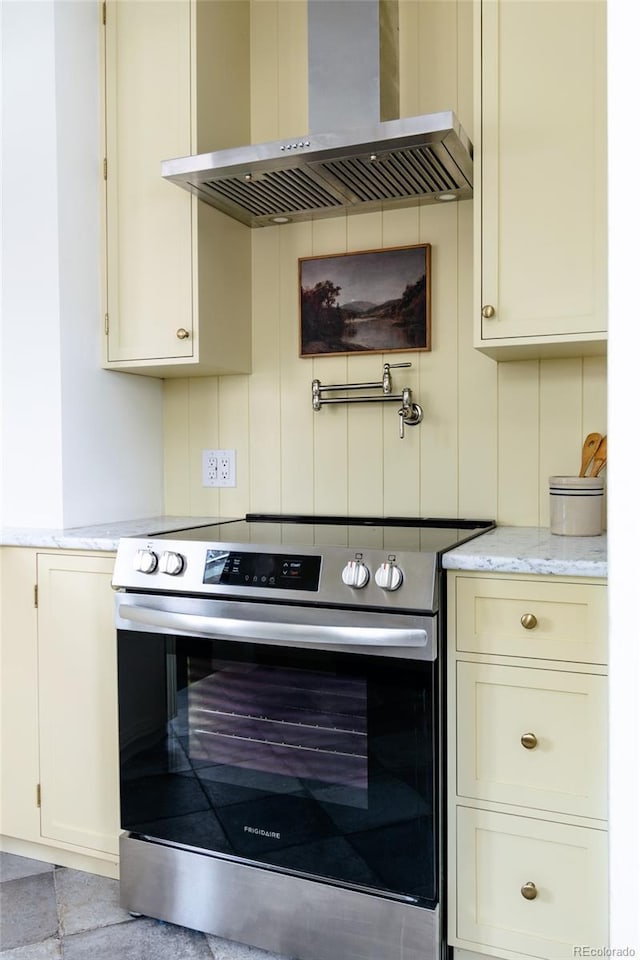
(279, 571)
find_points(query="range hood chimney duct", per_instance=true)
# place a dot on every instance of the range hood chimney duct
(370, 159)
(354, 74)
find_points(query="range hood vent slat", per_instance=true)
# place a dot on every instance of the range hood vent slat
(280, 192)
(407, 173)
(424, 176)
(366, 179)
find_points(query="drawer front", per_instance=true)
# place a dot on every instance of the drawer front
(501, 856)
(532, 618)
(534, 738)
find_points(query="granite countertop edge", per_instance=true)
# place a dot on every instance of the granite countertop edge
(530, 550)
(102, 537)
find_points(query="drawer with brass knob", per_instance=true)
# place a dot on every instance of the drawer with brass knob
(533, 738)
(530, 886)
(534, 618)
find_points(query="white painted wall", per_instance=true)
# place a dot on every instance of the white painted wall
(31, 453)
(624, 485)
(80, 445)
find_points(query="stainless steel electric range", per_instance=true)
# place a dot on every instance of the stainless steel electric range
(281, 746)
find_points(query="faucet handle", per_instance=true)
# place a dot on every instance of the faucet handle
(386, 375)
(402, 414)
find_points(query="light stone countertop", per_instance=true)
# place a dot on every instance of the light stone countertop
(530, 550)
(104, 536)
(503, 550)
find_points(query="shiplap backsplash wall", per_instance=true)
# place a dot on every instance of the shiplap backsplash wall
(492, 433)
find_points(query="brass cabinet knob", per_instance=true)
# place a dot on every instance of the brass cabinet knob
(182, 334)
(529, 890)
(529, 741)
(529, 621)
(488, 311)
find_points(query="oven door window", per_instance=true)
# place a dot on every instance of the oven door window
(305, 761)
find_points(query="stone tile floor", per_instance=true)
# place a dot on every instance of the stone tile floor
(49, 912)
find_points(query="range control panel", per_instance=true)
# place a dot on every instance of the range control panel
(333, 575)
(267, 570)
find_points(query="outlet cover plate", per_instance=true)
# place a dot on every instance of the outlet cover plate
(218, 468)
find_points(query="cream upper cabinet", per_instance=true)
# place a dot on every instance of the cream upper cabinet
(527, 764)
(177, 273)
(59, 707)
(540, 178)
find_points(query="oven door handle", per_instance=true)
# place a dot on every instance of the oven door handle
(226, 628)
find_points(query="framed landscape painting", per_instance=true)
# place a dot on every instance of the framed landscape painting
(376, 301)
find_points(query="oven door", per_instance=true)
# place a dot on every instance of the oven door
(294, 739)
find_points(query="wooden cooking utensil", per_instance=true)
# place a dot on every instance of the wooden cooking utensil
(599, 458)
(589, 447)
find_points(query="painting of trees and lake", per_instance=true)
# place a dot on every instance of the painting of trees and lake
(370, 302)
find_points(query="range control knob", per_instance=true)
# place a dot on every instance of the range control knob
(146, 561)
(355, 574)
(171, 563)
(388, 576)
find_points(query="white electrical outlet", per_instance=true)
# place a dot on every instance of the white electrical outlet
(209, 468)
(218, 468)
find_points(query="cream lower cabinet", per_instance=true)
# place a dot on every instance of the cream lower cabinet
(527, 765)
(59, 693)
(504, 860)
(177, 273)
(540, 185)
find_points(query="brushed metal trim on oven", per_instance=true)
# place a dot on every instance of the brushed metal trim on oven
(349, 631)
(271, 910)
(274, 632)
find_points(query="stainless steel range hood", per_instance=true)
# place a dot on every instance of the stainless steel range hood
(367, 163)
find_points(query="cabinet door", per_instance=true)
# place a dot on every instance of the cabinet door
(78, 702)
(529, 886)
(177, 272)
(533, 738)
(19, 815)
(542, 186)
(148, 221)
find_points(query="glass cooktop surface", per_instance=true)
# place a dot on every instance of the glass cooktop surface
(420, 534)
